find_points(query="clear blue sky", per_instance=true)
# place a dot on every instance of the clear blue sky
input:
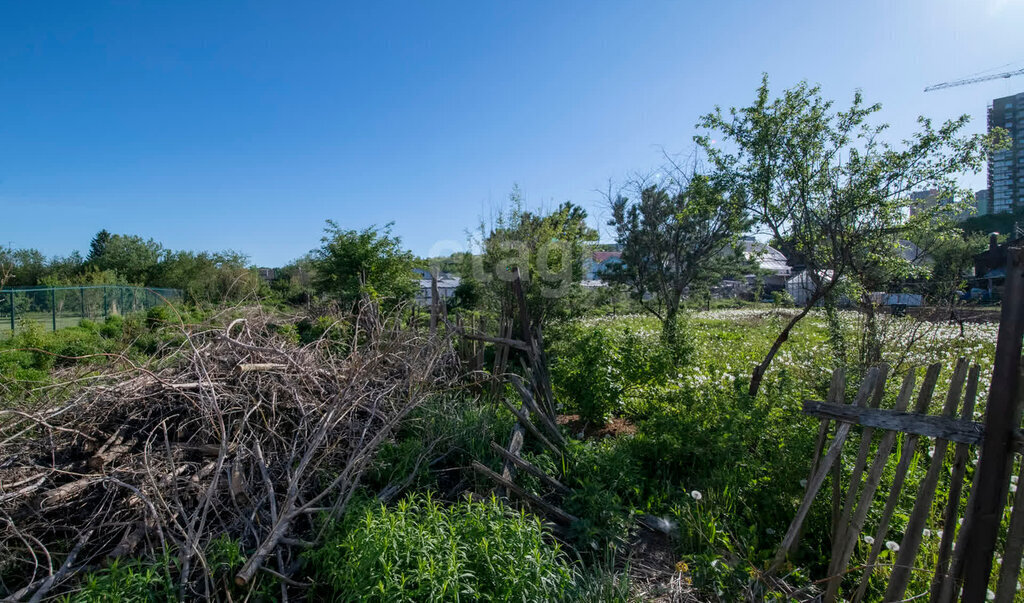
(214, 125)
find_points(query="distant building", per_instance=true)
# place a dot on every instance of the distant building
(929, 199)
(1006, 168)
(268, 274)
(446, 284)
(982, 202)
(801, 287)
(598, 262)
(771, 261)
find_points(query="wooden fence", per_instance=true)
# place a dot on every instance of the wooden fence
(968, 542)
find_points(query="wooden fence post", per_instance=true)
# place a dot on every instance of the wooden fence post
(1001, 419)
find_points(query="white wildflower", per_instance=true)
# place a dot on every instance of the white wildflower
(869, 540)
(990, 596)
(892, 546)
(695, 495)
(926, 533)
(803, 483)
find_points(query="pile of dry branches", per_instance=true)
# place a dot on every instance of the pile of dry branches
(242, 434)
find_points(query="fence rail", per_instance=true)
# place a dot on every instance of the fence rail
(58, 307)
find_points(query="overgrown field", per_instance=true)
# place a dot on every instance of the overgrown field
(682, 484)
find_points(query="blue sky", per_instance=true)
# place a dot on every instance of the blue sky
(216, 125)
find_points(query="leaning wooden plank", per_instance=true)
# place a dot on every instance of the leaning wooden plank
(912, 535)
(874, 477)
(836, 392)
(529, 467)
(846, 536)
(545, 420)
(515, 444)
(924, 397)
(524, 420)
(956, 485)
(874, 391)
(505, 341)
(551, 510)
(1010, 571)
(950, 587)
(818, 479)
(929, 426)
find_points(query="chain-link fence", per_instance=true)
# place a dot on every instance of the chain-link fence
(59, 307)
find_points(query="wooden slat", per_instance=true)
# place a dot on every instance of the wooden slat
(841, 515)
(1010, 571)
(1002, 418)
(529, 468)
(924, 397)
(545, 421)
(524, 420)
(956, 485)
(818, 479)
(840, 529)
(929, 426)
(911, 542)
(951, 588)
(541, 504)
(836, 393)
(515, 445)
(854, 516)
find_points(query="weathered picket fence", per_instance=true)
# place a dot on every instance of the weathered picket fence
(969, 539)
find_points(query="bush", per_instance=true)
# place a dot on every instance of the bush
(596, 367)
(113, 327)
(424, 551)
(782, 299)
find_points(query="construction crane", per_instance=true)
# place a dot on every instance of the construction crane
(974, 80)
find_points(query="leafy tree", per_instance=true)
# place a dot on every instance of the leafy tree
(130, 256)
(827, 187)
(26, 267)
(207, 277)
(63, 269)
(674, 236)
(293, 282)
(1004, 223)
(548, 250)
(353, 263)
(951, 256)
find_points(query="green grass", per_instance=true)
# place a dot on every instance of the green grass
(422, 550)
(698, 431)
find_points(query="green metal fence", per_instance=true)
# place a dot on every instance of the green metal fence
(59, 307)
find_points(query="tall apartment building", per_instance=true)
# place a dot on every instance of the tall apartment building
(1006, 168)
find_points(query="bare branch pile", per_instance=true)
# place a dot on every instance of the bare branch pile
(245, 435)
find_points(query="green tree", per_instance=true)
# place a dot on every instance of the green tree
(130, 256)
(827, 186)
(207, 277)
(352, 263)
(26, 267)
(675, 237)
(98, 246)
(548, 250)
